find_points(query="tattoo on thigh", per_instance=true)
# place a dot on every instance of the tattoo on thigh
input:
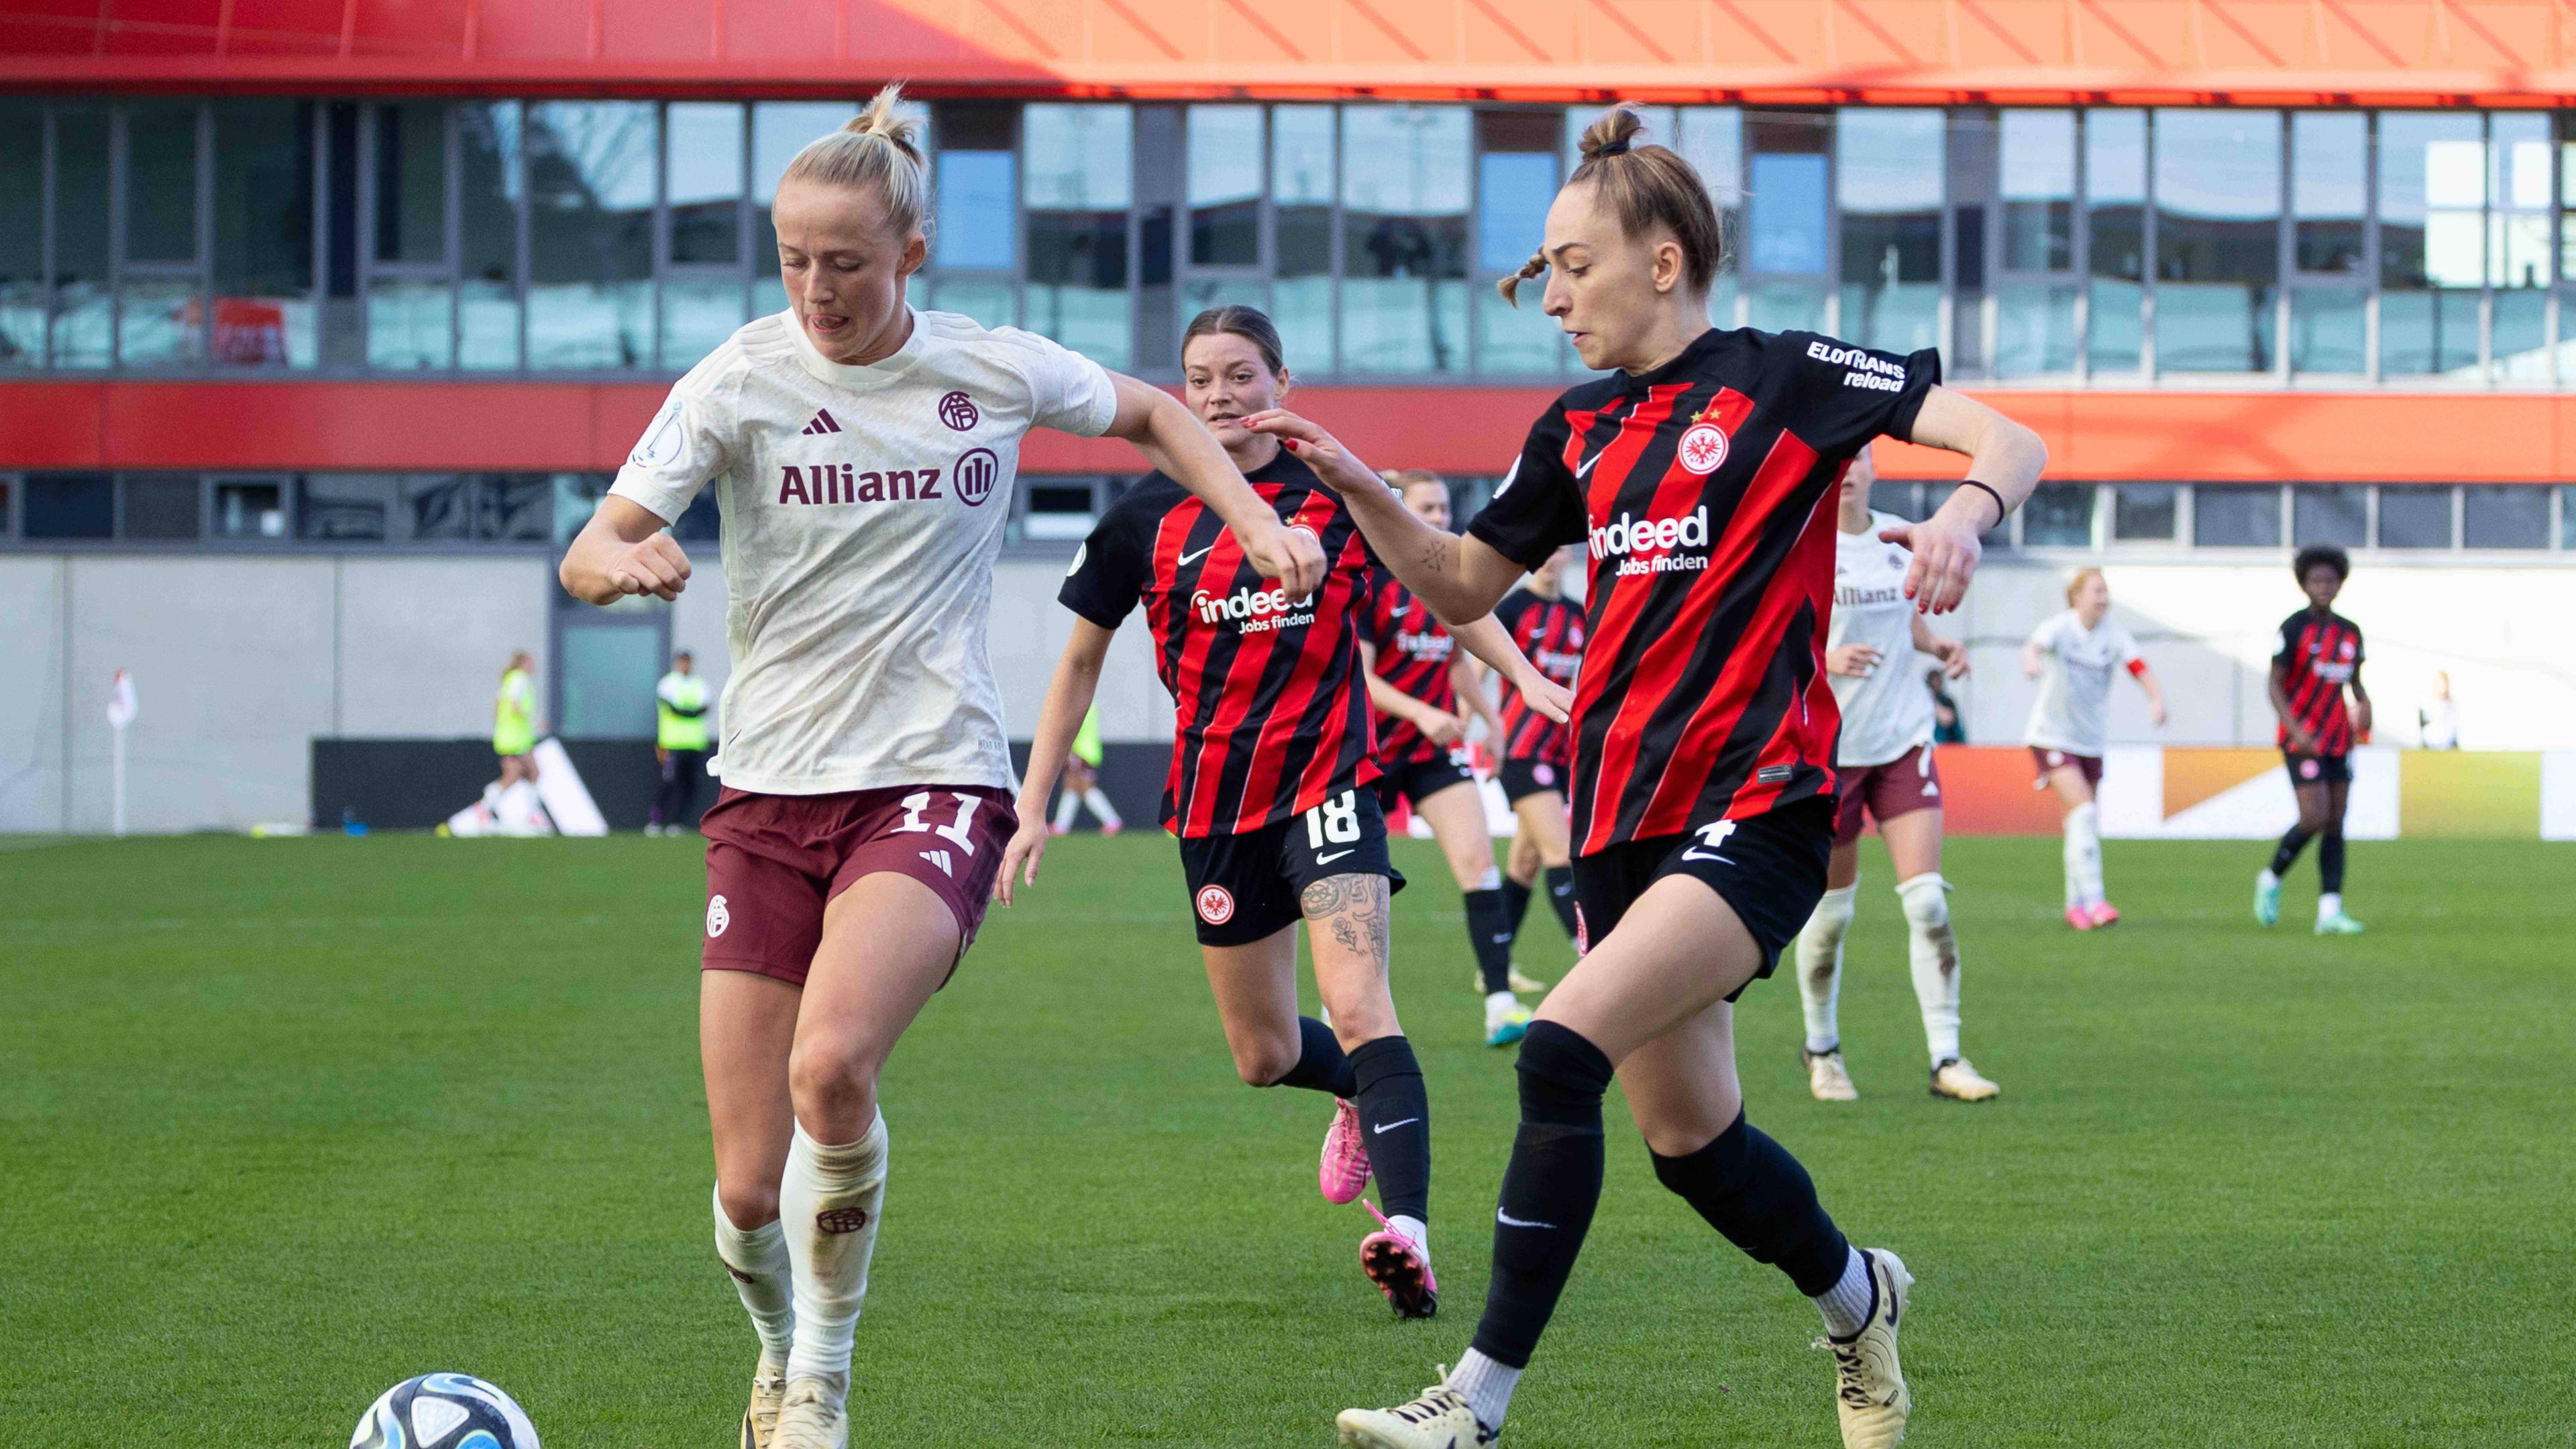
(1355, 907)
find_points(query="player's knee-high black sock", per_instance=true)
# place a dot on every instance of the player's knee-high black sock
(1397, 1113)
(1489, 932)
(1516, 899)
(2286, 855)
(1753, 1191)
(1560, 894)
(2330, 860)
(1321, 1066)
(1549, 1190)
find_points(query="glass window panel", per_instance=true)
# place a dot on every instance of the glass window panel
(487, 305)
(1303, 182)
(1303, 308)
(780, 129)
(515, 508)
(1224, 184)
(977, 226)
(435, 508)
(2414, 516)
(2329, 330)
(703, 165)
(699, 312)
(157, 322)
(590, 233)
(985, 298)
(2428, 331)
(1080, 158)
(1513, 192)
(347, 507)
(2058, 515)
(1786, 214)
(2115, 185)
(83, 307)
(2521, 335)
(250, 508)
(264, 302)
(1301, 155)
(2513, 515)
(161, 181)
(2037, 173)
(2329, 189)
(1079, 183)
(2218, 212)
(411, 182)
(1404, 238)
(2567, 515)
(2336, 513)
(2567, 195)
(160, 505)
(1661, 123)
(1713, 142)
(1203, 293)
(1520, 340)
(2432, 194)
(409, 323)
(2145, 512)
(1887, 177)
(68, 505)
(2034, 330)
(2233, 515)
(22, 244)
(1786, 306)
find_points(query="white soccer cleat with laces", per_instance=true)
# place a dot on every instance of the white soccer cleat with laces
(760, 1419)
(1826, 1077)
(1440, 1419)
(811, 1415)
(1959, 1080)
(1869, 1391)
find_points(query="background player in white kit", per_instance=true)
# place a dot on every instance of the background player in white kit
(863, 455)
(1883, 762)
(2073, 655)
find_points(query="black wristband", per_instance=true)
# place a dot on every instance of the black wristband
(2001, 512)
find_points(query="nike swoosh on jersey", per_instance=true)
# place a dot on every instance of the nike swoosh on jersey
(1588, 462)
(1391, 1126)
(1336, 855)
(1190, 558)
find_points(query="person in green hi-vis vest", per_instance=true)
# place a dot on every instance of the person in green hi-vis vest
(514, 719)
(1082, 782)
(679, 744)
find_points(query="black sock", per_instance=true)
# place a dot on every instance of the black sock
(1320, 1065)
(1516, 899)
(2293, 841)
(1753, 1191)
(2330, 859)
(1549, 1190)
(1397, 1114)
(1560, 894)
(1489, 932)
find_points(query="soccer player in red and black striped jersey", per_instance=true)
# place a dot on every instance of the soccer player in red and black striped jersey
(1537, 753)
(1271, 788)
(2315, 660)
(1701, 472)
(1421, 683)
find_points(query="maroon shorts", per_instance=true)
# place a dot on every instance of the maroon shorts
(1907, 783)
(2048, 760)
(775, 861)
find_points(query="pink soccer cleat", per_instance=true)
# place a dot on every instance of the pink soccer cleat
(1112, 828)
(2105, 914)
(1344, 1172)
(2080, 917)
(1400, 1269)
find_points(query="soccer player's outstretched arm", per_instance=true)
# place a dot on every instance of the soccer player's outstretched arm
(2155, 693)
(1068, 699)
(1187, 453)
(2004, 457)
(623, 550)
(1488, 640)
(1461, 578)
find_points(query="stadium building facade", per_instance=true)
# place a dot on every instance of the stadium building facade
(323, 325)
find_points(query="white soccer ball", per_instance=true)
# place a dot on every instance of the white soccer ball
(444, 1411)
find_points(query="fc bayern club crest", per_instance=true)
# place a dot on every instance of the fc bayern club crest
(1703, 448)
(958, 411)
(1216, 907)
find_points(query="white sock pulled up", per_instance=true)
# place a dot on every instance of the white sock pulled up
(1066, 803)
(1820, 965)
(2083, 855)
(828, 1204)
(1846, 1305)
(1486, 1386)
(756, 1260)
(1934, 953)
(1101, 809)
(2329, 905)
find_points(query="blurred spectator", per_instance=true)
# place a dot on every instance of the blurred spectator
(2439, 722)
(679, 745)
(1947, 726)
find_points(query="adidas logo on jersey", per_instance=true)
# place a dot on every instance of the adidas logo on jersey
(822, 424)
(1254, 611)
(1629, 535)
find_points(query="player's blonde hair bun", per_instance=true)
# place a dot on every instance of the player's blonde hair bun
(880, 150)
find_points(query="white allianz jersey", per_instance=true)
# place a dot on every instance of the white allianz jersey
(1888, 711)
(2072, 712)
(863, 507)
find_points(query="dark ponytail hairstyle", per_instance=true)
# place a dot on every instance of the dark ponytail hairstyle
(1645, 186)
(1249, 323)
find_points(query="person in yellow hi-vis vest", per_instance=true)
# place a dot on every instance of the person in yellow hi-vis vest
(1082, 782)
(514, 720)
(679, 744)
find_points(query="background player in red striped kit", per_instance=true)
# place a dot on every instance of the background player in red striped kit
(1537, 753)
(1422, 684)
(2317, 657)
(1271, 783)
(1701, 473)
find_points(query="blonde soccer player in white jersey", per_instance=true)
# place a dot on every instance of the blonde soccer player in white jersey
(863, 453)
(2073, 656)
(1883, 764)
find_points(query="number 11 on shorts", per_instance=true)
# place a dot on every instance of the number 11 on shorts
(955, 830)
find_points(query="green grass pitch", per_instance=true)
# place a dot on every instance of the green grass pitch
(283, 1122)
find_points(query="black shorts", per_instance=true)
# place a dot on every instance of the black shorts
(1523, 778)
(1244, 888)
(1419, 780)
(2318, 769)
(1769, 868)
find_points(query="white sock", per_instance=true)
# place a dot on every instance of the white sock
(1106, 813)
(1820, 965)
(2329, 906)
(1846, 1305)
(1486, 1386)
(1414, 1228)
(2266, 878)
(828, 1204)
(2083, 855)
(1935, 955)
(756, 1260)
(1065, 804)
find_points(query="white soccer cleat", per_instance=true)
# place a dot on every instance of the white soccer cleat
(1960, 1081)
(811, 1415)
(1439, 1419)
(760, 1419)
(1826, 1077)
(1869, 1394)
(1521, 982)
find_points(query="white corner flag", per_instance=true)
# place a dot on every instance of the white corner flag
(120, 713)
